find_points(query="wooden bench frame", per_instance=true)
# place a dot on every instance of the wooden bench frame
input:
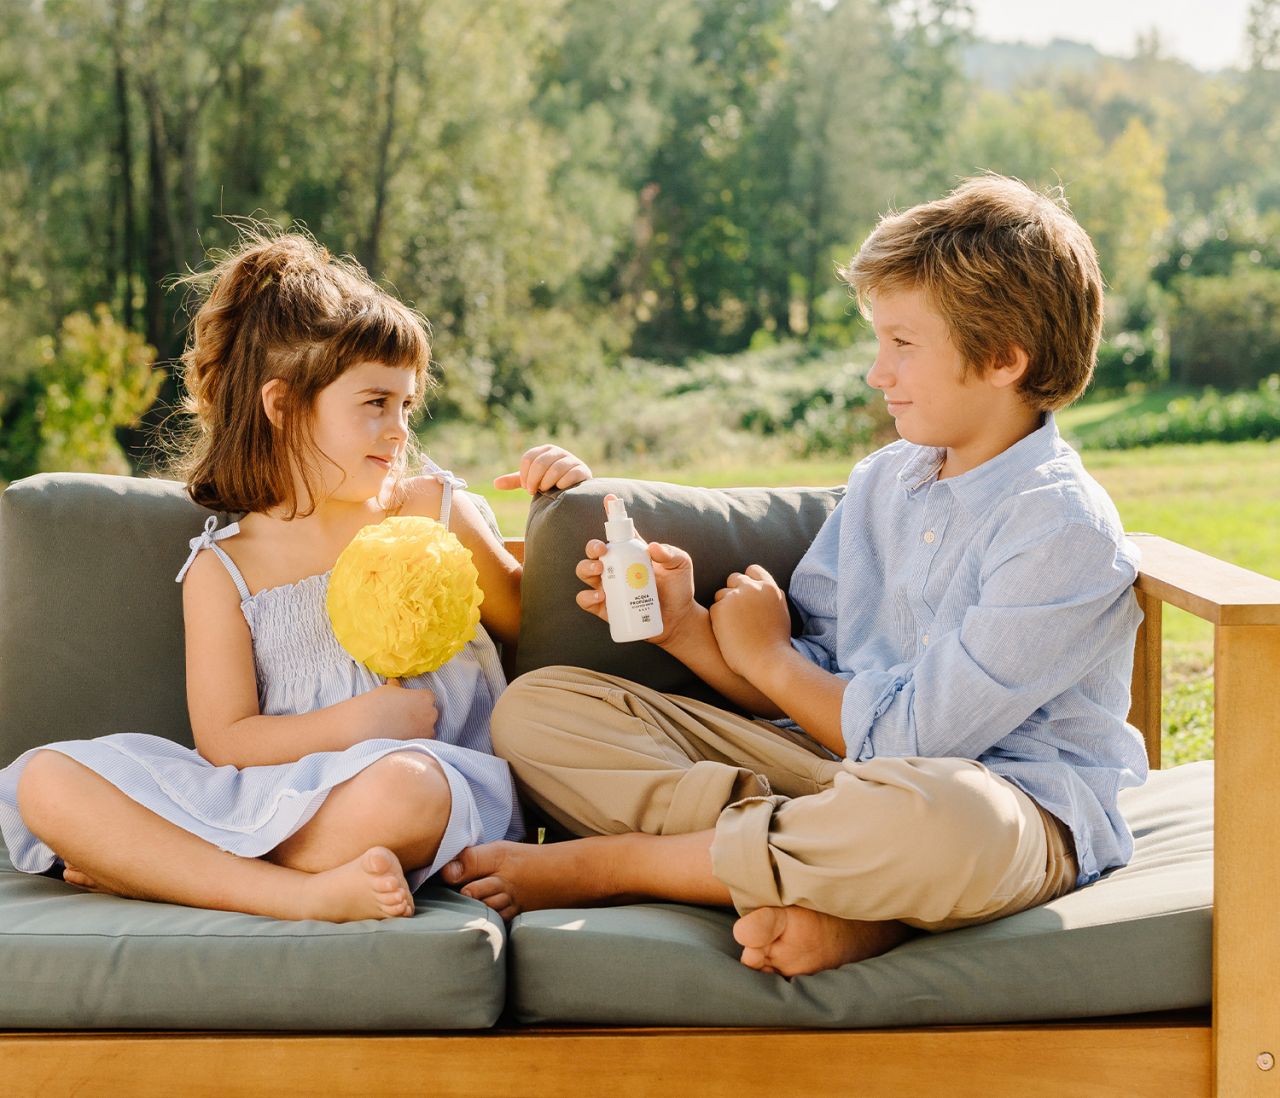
(1224, 1053)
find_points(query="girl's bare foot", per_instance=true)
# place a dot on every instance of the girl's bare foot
(794, 941)
(371, 886)
(514, 877)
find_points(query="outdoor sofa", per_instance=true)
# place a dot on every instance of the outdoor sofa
(1140, 984)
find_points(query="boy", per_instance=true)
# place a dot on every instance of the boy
(943, 743)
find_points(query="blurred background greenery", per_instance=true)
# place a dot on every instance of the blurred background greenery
(623, 222)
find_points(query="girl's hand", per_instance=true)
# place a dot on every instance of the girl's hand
(750, 619)
(543, 468)
(396, 713)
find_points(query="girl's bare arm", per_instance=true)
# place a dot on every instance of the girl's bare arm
(222, 691)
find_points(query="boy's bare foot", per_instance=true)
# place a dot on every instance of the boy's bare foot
(514, 877)
(81, 879)
(371, 886)
(795, 941)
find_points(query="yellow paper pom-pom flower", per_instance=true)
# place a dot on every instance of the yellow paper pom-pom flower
(403, 597)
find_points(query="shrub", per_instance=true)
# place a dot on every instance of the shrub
(96, 376)
(1123, 359)
(1225, 329)
(1211, 417)
(19, 428)
(785, 400)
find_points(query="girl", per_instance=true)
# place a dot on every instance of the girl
(335, 793)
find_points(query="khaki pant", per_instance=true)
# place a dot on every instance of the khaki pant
(937, 843)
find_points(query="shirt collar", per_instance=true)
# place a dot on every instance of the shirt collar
(980, 487)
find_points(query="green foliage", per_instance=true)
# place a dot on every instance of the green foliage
(819, 403)
(1225, 330)
(776, 403)
(95, 377)
(1187, 712)
(1124, 359)
(569, 187)
(1211, 417)
(1231, 236)
(19, 426)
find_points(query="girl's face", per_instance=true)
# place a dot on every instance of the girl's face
(361, 424)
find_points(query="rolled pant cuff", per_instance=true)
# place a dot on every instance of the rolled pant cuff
(740, 858)
(701, 795)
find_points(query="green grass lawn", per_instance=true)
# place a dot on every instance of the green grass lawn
(1223, 499)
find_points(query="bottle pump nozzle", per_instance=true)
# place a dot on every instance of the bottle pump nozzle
(618, 526)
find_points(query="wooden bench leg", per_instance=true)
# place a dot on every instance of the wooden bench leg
(1246, 877)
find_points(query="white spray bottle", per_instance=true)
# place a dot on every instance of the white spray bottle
(630, 594)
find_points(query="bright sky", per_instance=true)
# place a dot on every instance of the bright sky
(1208, 33)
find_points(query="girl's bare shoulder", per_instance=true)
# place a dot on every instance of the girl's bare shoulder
(419, 497)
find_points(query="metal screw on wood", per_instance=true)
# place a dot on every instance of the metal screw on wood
(1266, 1061)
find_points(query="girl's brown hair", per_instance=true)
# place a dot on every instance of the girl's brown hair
(280, 306)
(1006, 267)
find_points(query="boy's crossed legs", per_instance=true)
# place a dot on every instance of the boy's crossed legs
(829, 861)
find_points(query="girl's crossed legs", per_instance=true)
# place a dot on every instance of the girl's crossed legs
(347, 862)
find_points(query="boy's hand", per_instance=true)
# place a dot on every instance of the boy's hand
(543, 468)
(672, 576)
(750, 619)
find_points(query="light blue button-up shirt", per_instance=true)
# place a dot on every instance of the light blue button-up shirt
(987, 616)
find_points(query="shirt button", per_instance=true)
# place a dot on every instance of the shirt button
(930, 536)
(925, 638)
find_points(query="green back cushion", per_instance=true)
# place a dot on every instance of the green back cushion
(724, 529)
(90, 616)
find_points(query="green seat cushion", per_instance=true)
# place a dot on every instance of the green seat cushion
(80, 960)
(1136, 940)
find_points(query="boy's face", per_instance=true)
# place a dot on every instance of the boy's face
(921, 373)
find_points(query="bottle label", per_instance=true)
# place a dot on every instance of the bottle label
(643, 606)
(637, 576)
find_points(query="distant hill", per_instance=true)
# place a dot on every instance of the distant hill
(1002, 65)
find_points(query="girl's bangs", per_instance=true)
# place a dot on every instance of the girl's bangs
(387, 332)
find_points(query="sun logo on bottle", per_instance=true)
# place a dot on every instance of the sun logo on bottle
(637, 576)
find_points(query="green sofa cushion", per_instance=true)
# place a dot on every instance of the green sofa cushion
(724, 529)
(90, 618)
(1136, 940)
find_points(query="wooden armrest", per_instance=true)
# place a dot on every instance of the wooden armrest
(514, 546)
(1212, 589)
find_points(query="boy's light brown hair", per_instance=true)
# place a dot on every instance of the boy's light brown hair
(1006, 267)
(281, 306)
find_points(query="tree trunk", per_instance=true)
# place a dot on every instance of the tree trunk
(160, 246)
(371, 252)
(124, 153)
